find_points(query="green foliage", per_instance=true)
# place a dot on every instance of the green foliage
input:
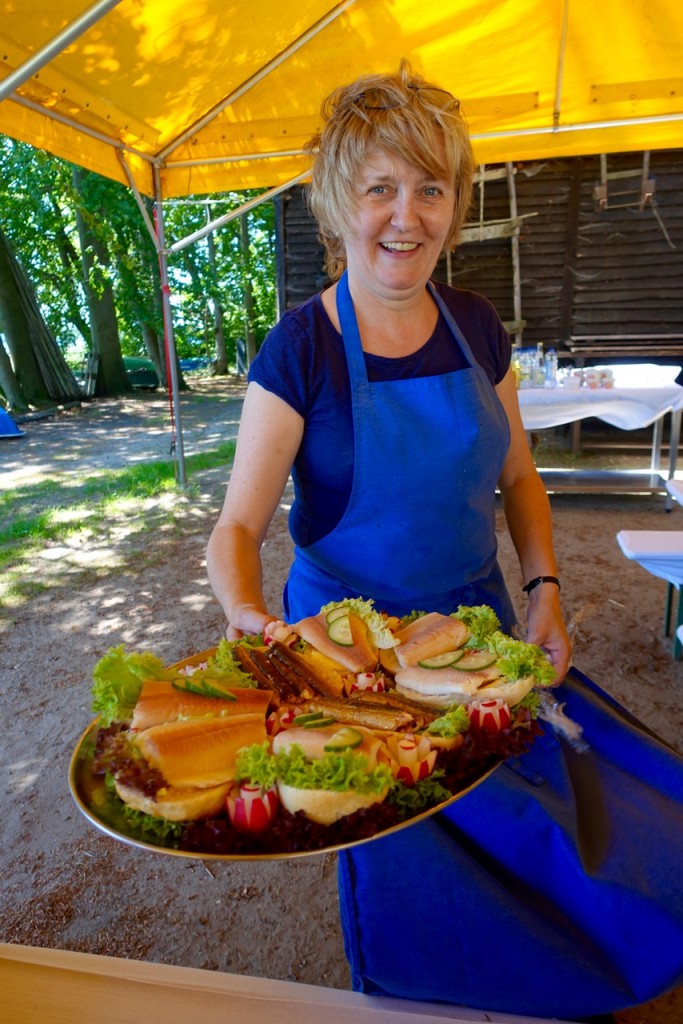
(39, 197)
(201, 278)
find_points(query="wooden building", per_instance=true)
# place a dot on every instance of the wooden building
(582, 254)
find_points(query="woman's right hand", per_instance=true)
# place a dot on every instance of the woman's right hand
(247, 621)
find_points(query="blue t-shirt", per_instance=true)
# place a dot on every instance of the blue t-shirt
(303, 362)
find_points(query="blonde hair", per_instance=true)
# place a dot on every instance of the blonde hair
(401, 114)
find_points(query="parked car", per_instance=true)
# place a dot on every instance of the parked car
(194, 363)
(141, 373)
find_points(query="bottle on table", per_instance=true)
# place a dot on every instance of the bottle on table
(550, 368)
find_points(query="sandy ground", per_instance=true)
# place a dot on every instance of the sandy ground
(65, 885)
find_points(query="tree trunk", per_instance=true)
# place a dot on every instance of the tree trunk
(39, 366)
(111, 375)
(9, 385)
(155, 351)
(68, 283)
(220, 367)
(249, 335)
(221, 364)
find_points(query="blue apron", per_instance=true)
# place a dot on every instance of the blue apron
(554, 888)
(420, 522)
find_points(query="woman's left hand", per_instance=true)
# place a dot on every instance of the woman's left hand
(546, 629)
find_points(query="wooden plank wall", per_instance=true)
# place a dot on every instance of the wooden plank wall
(613, 274)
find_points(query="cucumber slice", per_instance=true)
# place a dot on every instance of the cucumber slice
(441, 660)
(305, 719)
(321, 722)
(473, 661)
(337, 613)
(345, 738)
(339, 630)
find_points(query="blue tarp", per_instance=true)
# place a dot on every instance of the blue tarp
(8, 427)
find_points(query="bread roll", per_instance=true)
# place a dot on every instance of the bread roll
(177, 804)
(161, 702)
(428, 636)
(200, 752)
(359, 657)
(326, 806)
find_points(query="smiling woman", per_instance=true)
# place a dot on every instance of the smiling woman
(400, 116)
(401, 219)
(392, 402)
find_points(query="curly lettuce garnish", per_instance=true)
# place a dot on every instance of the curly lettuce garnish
(257, 765)
(382, 637)
(481, 620)
(425, 793)
(337, 772)
(517, 659)
(454, 722)
(229, 669)
(532, 703)
(159, 830)
(411, 617)
(118, 679)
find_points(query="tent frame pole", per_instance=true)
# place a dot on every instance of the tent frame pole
(234, 214)
(177, 445)
(263, 72)
(55, 46)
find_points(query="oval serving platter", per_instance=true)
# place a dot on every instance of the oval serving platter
(108, 814)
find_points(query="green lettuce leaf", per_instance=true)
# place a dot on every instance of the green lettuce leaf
(257, 765)
(224, 667)
(517, 659)
(338, 772)
(425, 793)
(152, 829)
(452, 723)
(118, 679)
(481, 621)
(532, 703)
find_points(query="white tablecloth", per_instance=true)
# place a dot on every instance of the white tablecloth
(40, 985)
(625, 407)
(643, 393)
(675, 489)
(658, 551)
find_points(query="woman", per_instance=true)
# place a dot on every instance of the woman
(391, 188)
(392, 402)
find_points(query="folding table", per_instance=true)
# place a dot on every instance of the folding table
(661, 553)
(644, 394)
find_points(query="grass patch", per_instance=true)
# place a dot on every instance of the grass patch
(55, 510)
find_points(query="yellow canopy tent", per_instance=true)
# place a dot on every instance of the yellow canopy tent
(218, 95)
(177, 98)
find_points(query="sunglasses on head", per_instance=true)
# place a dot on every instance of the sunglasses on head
(377, 99)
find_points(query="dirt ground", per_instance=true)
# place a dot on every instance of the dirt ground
(65, 885)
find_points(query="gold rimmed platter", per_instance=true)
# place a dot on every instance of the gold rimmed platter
(288, 836)
(106, 812)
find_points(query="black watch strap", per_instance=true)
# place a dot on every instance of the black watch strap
(538, 580)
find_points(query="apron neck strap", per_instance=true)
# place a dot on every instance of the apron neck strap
(349, 329)
(351, 335)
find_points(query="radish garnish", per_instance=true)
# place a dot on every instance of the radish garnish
(489, 715)
(368, 681)
(411, 759)
(278, 720)
(251, 808)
